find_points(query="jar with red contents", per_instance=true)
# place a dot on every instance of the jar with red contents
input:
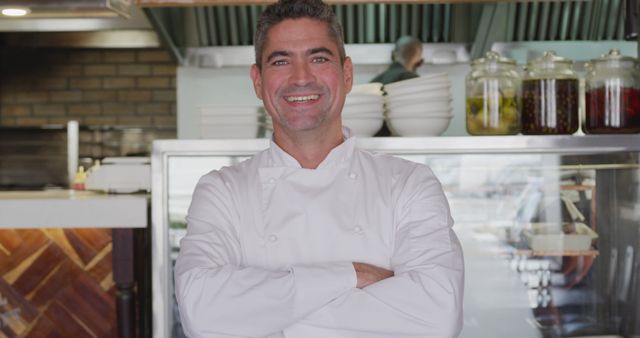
(612, 102)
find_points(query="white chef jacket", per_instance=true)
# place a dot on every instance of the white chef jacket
(270, 245)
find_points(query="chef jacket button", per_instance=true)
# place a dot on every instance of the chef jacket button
(273, 238)
(353, 176)
(272, 180)
(357, 229)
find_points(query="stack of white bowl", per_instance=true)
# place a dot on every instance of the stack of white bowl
(232, 121)
(363, 110)
(419, 106)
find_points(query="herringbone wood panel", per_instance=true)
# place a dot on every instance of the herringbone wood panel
(56, 283)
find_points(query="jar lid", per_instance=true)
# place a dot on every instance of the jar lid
(549, 59)
(492, 57)
(614, 55)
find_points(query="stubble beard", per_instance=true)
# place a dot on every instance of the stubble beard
(300, 120)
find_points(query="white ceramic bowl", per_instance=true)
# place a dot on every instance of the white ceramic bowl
(418, 89)
(376, 114)
(374, 88)
(363, 126)
(423, 80)
(419, 126)
(435, 93)
(423, 104)
(363, 98)
(363, 109)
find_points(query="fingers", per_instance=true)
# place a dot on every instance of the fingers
(368, 274)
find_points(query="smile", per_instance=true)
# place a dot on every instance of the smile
(302, 98)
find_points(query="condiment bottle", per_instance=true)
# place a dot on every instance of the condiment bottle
(493, 90)
(612, 94)
(550, 96)
(79, 179)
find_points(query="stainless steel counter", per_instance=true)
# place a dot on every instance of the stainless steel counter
(428, 145)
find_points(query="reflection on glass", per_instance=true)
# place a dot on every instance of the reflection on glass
(543, 235)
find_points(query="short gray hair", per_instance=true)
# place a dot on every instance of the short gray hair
(406, 47)
(297, 9)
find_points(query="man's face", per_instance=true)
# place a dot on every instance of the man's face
(302, 83)
(417, 60)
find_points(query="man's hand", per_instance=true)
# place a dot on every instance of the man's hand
(369, 274)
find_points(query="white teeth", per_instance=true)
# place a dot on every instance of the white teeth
(302, 98)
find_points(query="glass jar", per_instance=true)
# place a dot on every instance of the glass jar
(550, 96)
(612, 95)
(493, 90)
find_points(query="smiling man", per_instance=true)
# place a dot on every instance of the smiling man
(315, 237)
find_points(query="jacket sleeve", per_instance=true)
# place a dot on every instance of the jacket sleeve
(424, 298)
(219, 297)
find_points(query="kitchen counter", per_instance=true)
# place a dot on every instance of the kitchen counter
(72, 209)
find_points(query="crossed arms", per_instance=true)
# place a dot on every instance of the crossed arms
(421, 297)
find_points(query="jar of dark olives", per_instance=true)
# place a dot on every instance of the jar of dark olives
(550, 96)
(612, 99)
(493, 91)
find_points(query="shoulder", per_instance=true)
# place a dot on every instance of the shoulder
(399, 170)
(232, 176)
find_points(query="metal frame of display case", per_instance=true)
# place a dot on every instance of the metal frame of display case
(164, 149)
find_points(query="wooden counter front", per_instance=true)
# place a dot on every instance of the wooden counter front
(68, 267)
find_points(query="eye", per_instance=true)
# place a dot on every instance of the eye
(320, 59)
(280, 62)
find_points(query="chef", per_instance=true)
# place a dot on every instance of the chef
(314, 237)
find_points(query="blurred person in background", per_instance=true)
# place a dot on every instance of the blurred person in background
(406, 57)
(315, 237)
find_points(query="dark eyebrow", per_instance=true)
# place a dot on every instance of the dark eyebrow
(276, 54)
(321, 50)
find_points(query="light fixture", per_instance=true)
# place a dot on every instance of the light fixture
(15, 11)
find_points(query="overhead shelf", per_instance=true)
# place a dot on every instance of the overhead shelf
(532, 253)
(187, 3)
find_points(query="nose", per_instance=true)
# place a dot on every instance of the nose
(302, 74)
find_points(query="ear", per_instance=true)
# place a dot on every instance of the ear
(256, 77)
(347, 70)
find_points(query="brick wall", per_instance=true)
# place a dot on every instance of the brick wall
(131, 87)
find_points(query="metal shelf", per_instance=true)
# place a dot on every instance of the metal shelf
(531, 253)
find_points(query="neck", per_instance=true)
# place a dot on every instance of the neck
(309, 148)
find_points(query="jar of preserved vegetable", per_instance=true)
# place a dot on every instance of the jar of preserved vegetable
(550, 96)
(493, 90)
(612, 95)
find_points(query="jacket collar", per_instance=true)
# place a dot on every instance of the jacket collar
(338, 155)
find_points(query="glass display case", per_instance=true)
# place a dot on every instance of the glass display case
(549, 226)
